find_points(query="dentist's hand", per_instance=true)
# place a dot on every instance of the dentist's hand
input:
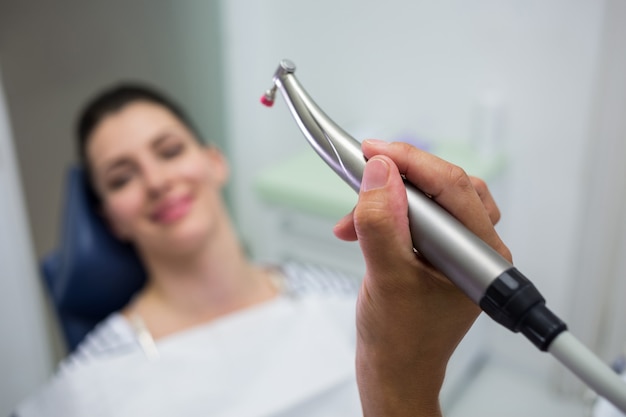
(410, 318)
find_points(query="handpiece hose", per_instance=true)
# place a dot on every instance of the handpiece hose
(478, 270)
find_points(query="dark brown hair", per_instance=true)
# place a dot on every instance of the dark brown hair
(114, 99)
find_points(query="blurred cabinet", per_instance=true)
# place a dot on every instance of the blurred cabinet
(303, 200)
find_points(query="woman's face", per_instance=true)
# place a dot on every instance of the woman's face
(160, 188)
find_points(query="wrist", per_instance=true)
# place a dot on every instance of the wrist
(392, 388)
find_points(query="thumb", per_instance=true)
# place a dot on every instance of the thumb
(381, 220)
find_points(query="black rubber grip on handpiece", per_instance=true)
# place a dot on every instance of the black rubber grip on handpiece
(514, 302)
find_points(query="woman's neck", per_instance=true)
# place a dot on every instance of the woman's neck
(214, 280)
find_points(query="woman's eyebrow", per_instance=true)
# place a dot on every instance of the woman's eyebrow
(117, 164)
(124, 161)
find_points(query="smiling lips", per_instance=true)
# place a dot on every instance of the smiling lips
(172, 210)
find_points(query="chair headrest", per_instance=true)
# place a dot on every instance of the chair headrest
(91, 274)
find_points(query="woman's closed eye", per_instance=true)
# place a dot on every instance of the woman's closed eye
(119, 179)
(171, 150)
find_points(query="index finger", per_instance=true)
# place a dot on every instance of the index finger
(448, 184)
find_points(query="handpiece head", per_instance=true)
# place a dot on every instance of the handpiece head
(284, 67)
(335, 146)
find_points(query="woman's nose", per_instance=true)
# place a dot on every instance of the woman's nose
(156, 180)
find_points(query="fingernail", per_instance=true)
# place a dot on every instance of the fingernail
(375, 174)
(376, 142)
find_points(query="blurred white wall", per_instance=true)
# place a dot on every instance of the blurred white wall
(598, 266)
(423, 66)
(26, 358)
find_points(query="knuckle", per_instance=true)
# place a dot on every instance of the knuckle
(458, 177)
(495, 214)
(403, 149)
(370, 218)
(503, 250)
(402, 146)
(479, 184)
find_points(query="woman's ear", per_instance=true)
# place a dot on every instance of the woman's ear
(218, 164)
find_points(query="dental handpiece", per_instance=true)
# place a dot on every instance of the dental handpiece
(487, 278)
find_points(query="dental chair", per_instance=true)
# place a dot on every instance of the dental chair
(91, 274)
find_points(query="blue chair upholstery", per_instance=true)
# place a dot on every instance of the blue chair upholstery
(91, 273)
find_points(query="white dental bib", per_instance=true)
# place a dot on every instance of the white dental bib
(288, 356)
